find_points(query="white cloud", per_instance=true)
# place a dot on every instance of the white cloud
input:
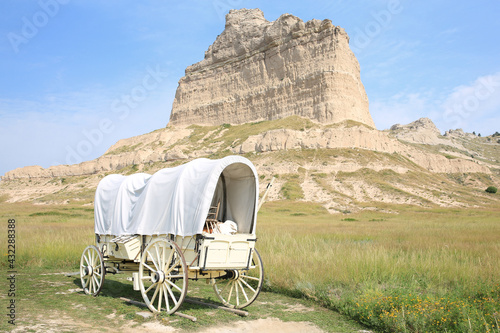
(469, 105)
(473, 107)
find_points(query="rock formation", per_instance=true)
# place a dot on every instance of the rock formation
(421, 131)
(259, 70)
(171, 144)
(298, 86)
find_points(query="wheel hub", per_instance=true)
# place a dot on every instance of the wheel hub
(158, 277)
(89, 271)
(233, 275)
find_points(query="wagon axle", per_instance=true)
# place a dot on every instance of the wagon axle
(232, 274)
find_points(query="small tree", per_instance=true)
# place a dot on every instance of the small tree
(491, 189)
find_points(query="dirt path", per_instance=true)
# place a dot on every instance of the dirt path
(268, 325)
(51, 302)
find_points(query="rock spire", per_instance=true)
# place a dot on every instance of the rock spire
(260, 70)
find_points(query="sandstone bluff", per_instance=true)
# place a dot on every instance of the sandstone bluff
(287, 95)
(259, 70)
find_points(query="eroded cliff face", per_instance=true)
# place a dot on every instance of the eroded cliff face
(259, 70)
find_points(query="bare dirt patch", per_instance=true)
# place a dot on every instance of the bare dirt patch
(62, 323)
(267, 325)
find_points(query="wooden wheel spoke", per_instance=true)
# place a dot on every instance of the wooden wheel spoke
(154, 262)
(158, 257)
(154, 295)
(160, 298)
(150, 287)
(96, 281)
(148, 267)
(95, 263)
(85, 281)
(225, 286)
(91, 286)
(230, 292)
(250, 277)
(170, 257)
(171, 293)
(173, 267)
(86, 259)
(167, 303)
(243, 290)
(173, 285)
(237, 293)
(248, 286)
(164, 254)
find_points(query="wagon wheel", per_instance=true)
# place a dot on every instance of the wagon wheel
(92, 270)
(239, 288)
(162, 265)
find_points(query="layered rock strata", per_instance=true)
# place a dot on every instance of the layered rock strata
(174, 144)
(259, 70)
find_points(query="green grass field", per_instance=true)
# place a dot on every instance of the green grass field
(417, 270)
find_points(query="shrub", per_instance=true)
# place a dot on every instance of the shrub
(292, 191)
(491, 189)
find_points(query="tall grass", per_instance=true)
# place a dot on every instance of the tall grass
(419, 270)
(49, 236)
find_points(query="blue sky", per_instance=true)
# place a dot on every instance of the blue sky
(69, 67)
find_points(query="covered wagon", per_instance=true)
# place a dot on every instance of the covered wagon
(193, 221)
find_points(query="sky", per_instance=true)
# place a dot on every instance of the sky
(76, 76)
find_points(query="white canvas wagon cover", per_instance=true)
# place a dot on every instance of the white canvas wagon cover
(177, 200)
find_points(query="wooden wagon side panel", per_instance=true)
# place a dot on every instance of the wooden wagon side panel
(226, 251)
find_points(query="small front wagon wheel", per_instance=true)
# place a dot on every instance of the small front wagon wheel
(92, 270)
(163, 276)
(239, 288)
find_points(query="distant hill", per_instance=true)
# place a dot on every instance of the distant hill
(346, 166)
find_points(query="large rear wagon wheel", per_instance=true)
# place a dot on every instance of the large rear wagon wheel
(92, 270)
(239, 288)
(163, 276)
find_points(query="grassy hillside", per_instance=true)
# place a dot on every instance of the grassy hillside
(342, 180)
